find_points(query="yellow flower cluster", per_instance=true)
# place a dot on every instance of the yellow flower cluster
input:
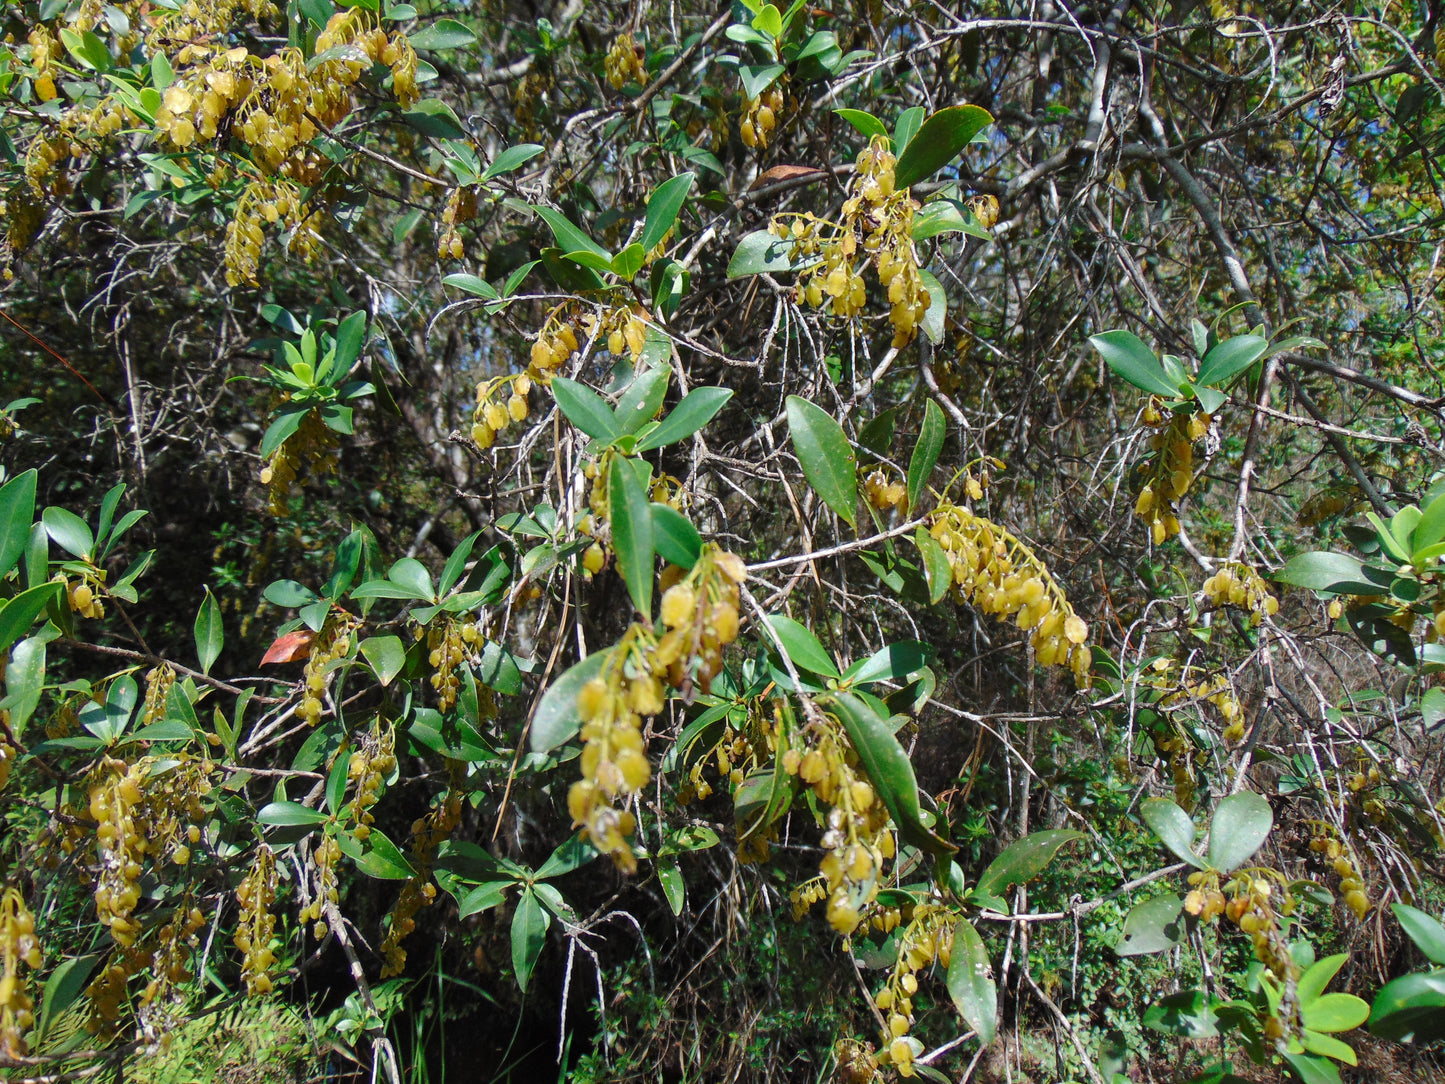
(1239, 585)
(427, 835)
(1171, 471)
(255, 894)
(316, 442)
(761, 116)
(883, 216)
(162, 1002)
(461, 207)
(624, 329)
(1002, 576)
(491, 416)
(333, 642)
(84, 599)
(324, 859)
(1352, 886)
(370, 763)
(121, 842)
(18, 945)
(556, 342)
(623, 63)
(928, 937)
(159, 680)
(9, 749)
(857, 839)
(882, 493)
(737, 751)
(456, 641)
(1253, 904)
(268, 200)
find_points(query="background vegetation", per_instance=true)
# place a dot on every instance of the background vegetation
(678, 542)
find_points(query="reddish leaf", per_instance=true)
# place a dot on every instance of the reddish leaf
(289, 648)
(777, 174)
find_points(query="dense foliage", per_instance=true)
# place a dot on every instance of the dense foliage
(676, 542)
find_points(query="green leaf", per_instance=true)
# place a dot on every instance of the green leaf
(697, 408)
(1174, 827)
(925, 452)
(867, 124)
(378, 857)
(936, 569)
(756, 79)
(889, 770)
(628, 262)
(63, 989)
(1328, 1046)
(483, 898)
(1188, 1014)
(907, 125)
(433, 117)
(758, 253)
(69, 532)
(642, 399)
(1411, 1007)
(473, 285)
(945, 216)
(25, 681)
(1321, 570)
(827, 459)
(1126, 354)
(1334, 1012)
(411, 575)
(892, 663)
(1432, 708)
(443, 34)
(1396, 548)
(570, 238)
(803, 647)
(585, 409)
(209, 631)
(1230, 358)
(632, 533)
(19, 613)
(663, 209)
(935, 318)
(1313, 982)
(1021, 862)
(386, 655)
(1429, 531)
(939, 140)
(1241, 823)
(289, 815)
(87, 48)
(1426, 931)
(288, 420)
(970, 982)
(1152, 926)
(529, 934)
(674, 536)
(512, 158)
(669, 875)
(17, 511)
(573, 853)
(1312, 1070)
(556, 720)
(336, 784)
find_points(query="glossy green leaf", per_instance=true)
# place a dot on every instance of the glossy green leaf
(585, 409)
(675, 537)
(1312, 1070)
(643, 398)
(1318, 975)
(1411, 1007)
(556, 720)
(386, 655)
(1429, 531)
(433, 117)
(64, 988)
(1152, 926)
(1423, 929)
(698, 407)
(1189, 1014)
(529, 934)
(760, 253)
(1024, 860)
(629, 261)
(25, 681)
(570, 238)
(945, 216)
(210, 632)
(472, 284)
(936, 569)
(1230, 358)
(1126, 354)
(17, 511)
(803, 648)
(1323, 571)
(827, 459)
(573, 853)
(970, 982)
(289, 815)
(935, 317)
(1327, 1046)
(512, 158)
(443, 34)
(411, 575)
(669, 875)
(938, 141)
(632, 533)
(1241, 823)
(1334, 1012)
(663, 209)
(19, 613)
(378, 857)
(925, 452)
(907, 125)
(889, 770)
(866, 123)
(1174, 827)
(483, 898)
(336, 784)
(1397, 548)
(69, 532)
(892, 663)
